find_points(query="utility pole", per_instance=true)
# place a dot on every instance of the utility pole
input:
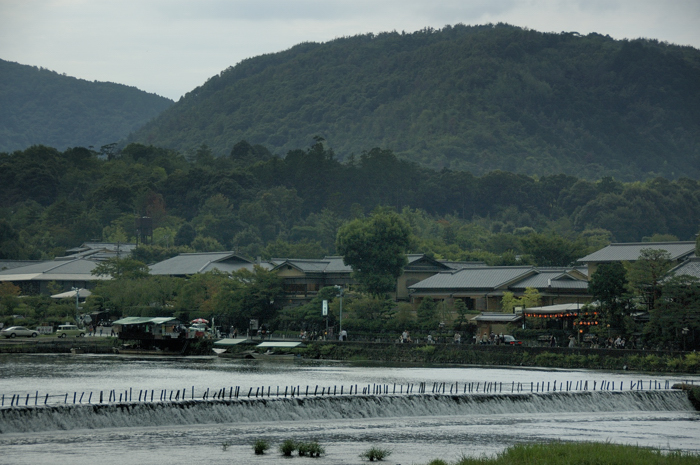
(340, 294)
(77, 307)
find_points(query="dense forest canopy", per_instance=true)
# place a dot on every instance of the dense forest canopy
(38, 106)
(293, 206)
(467, 98)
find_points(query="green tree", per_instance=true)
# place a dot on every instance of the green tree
(460, 309)
(121, 268)
(11, 246)
(403, 318)
(185, 235)
(427, 313)
(9, 297)
(375, 248)
(509, 302)
(645, 274)
(248, 294)
(551, 250)
(675, 320)
(530, 298)
(608, 286)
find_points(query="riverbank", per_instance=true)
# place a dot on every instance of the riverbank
(466, 354)
(95, 345)
(544, 357)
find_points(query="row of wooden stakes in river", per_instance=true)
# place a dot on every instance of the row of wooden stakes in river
(232, 392)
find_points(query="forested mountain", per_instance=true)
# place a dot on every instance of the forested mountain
(38, 106)
(293, 207)
(474, 98)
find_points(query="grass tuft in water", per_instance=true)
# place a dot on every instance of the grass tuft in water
(288, 447)
(260, 446)
(375, 453)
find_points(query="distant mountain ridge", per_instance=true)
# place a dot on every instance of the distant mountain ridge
(39, 106)
(475, 98)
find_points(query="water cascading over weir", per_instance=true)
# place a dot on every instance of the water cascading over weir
(25, 419)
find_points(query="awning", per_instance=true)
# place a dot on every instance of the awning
(137, 320)
(228, 342)
(71, 294)
(280, 345)
(570, 309)
(492, 317)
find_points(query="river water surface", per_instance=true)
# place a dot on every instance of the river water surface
(416, 428)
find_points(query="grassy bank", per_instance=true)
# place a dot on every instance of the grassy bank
(597, 359)
(580, 453)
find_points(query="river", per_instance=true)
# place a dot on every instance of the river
(415, 427)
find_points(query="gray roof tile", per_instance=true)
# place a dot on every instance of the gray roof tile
(192, 263)
(78, 269)
(632, 250)
(475, 278)
(690, 267)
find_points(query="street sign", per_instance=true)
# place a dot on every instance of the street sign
(325, 308)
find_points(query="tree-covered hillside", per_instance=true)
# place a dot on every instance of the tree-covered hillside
(467, 98)
(293, 207)
(38, 106)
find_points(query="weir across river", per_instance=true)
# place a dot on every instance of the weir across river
(252, 410)
(145, 395)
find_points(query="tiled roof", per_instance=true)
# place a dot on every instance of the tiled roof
(336, 265)
(78, 269)
(331, 264)
(193, 263)
(100, 251)
(689, 267)
(459, 265)
(632, 250)
(475, 278)
(554, 279)
(10, 264)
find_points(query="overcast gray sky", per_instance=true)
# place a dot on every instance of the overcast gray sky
(169, 47)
